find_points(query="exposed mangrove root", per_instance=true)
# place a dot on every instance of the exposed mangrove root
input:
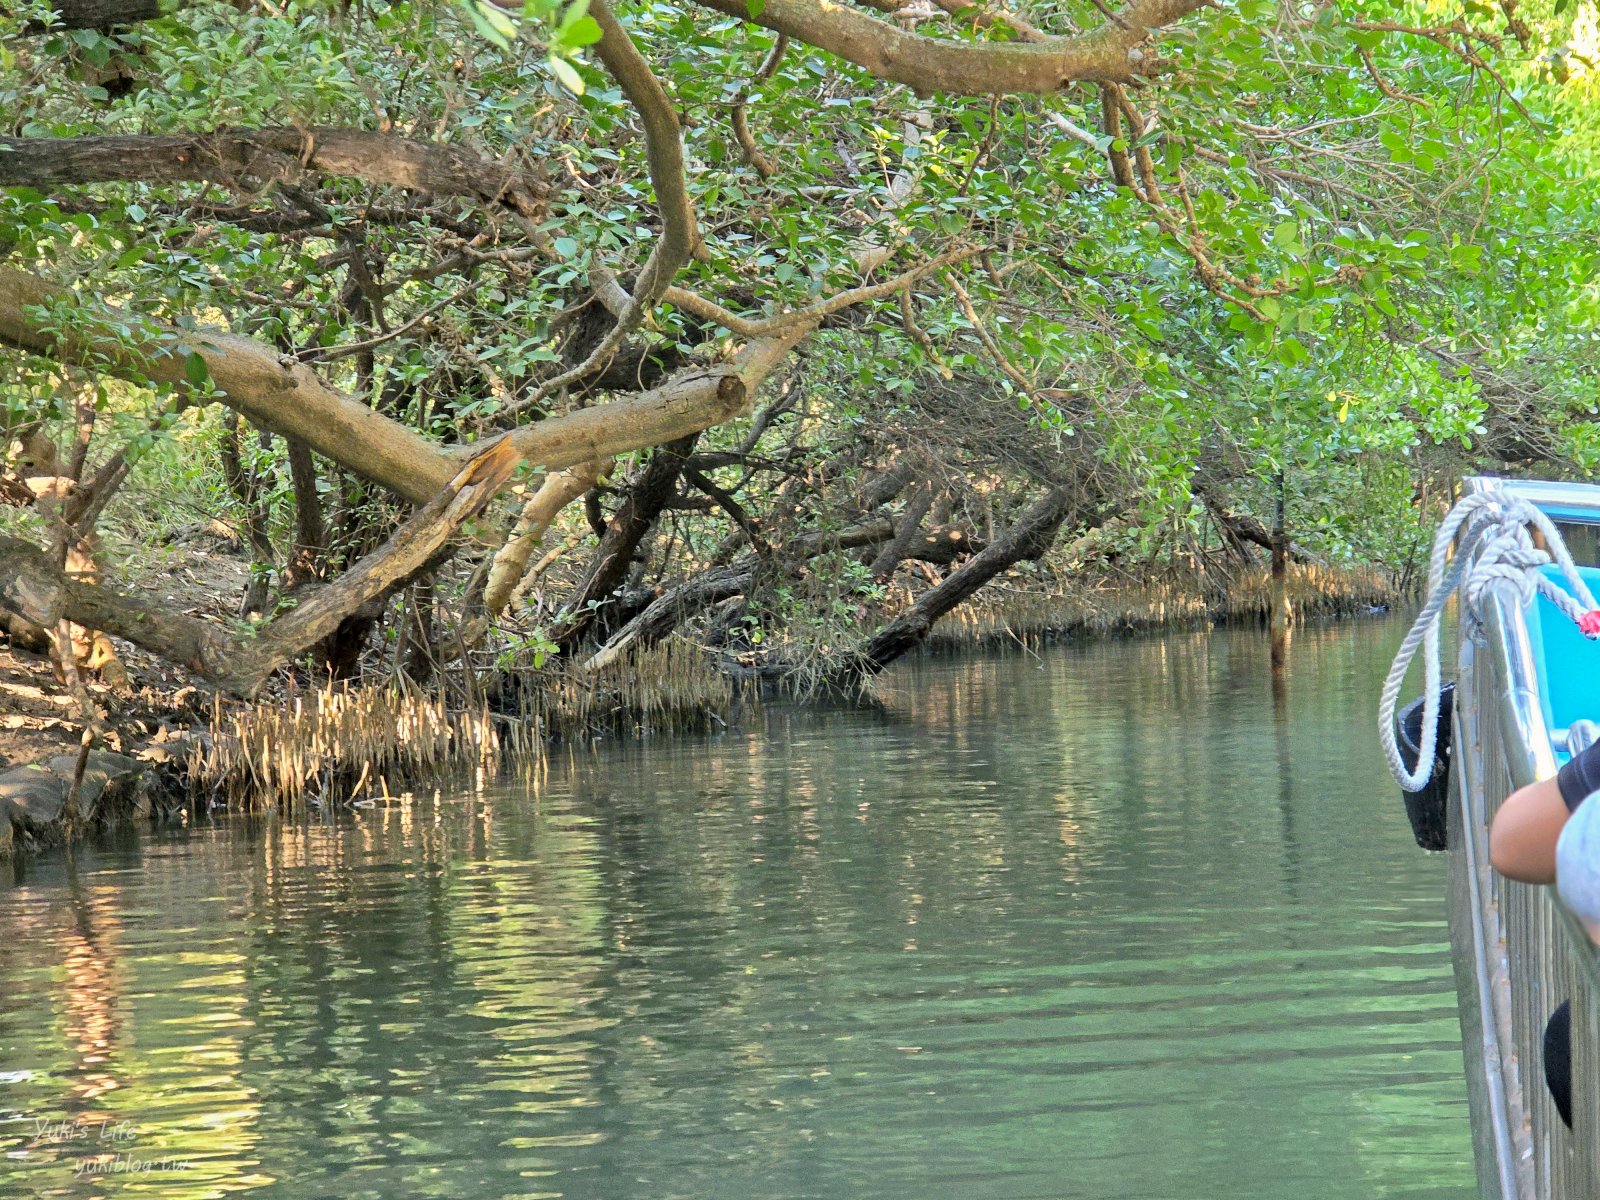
(1009, 615)
(672, 686)
(343, 743)
(321, 746)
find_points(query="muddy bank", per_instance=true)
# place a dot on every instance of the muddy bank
(49, 789)
(43, 803)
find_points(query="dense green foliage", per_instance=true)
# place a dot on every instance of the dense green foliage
(1333, 256)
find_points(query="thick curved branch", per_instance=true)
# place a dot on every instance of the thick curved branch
(1110, 54)
(710, 310)
(273, 391)
(96, 14)
(252, 157)
(906, 529)
(510, 565)
(279, 394)
(663, 147)
(643, 504)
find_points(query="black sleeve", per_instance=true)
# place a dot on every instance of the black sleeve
(1580, 777)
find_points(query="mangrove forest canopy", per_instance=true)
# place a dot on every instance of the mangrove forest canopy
(526, 338)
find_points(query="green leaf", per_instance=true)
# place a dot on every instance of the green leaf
(1399, 149)
(567, 74)
(195, 369)
(493, 23)
(1291, 352)
(585, 31)
(1467, 259)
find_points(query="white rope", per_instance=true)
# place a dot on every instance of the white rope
(1496, 542)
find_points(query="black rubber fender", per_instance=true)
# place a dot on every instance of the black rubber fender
(1426, 808)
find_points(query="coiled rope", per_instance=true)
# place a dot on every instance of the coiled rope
(1496, 543)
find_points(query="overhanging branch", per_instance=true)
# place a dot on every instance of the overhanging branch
(1110, 54)
(253, 157)
(287, 397)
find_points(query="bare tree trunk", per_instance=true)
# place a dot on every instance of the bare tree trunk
(1241, 529)
(1282, 611)
(1030, 537)
(310, 536)
(910, 522)
(246, 490)
(646, 500)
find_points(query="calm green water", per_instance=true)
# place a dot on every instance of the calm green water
(1105, 924)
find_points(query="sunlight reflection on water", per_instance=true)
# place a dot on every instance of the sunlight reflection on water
(1101, 923)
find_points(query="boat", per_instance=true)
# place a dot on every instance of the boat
(1522, 565)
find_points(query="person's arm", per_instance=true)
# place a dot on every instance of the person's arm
(1523, 834)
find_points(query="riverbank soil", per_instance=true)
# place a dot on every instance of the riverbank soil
(50, 782)
(142, 727)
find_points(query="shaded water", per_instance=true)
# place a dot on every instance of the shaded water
(1094, 925)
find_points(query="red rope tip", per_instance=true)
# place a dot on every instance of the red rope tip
(1590, 623)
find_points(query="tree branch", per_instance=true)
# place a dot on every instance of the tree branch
(710, 310)
(284, 396)
(252, 157)
(1111, 54)
(33, 586)
(663, 147)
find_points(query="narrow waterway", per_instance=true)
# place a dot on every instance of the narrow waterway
(1108, 922)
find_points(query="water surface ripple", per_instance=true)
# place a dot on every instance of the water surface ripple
(1106, 923)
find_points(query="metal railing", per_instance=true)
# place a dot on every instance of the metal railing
(1518, 952)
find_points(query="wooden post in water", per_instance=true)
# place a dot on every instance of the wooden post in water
(1282, 616)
